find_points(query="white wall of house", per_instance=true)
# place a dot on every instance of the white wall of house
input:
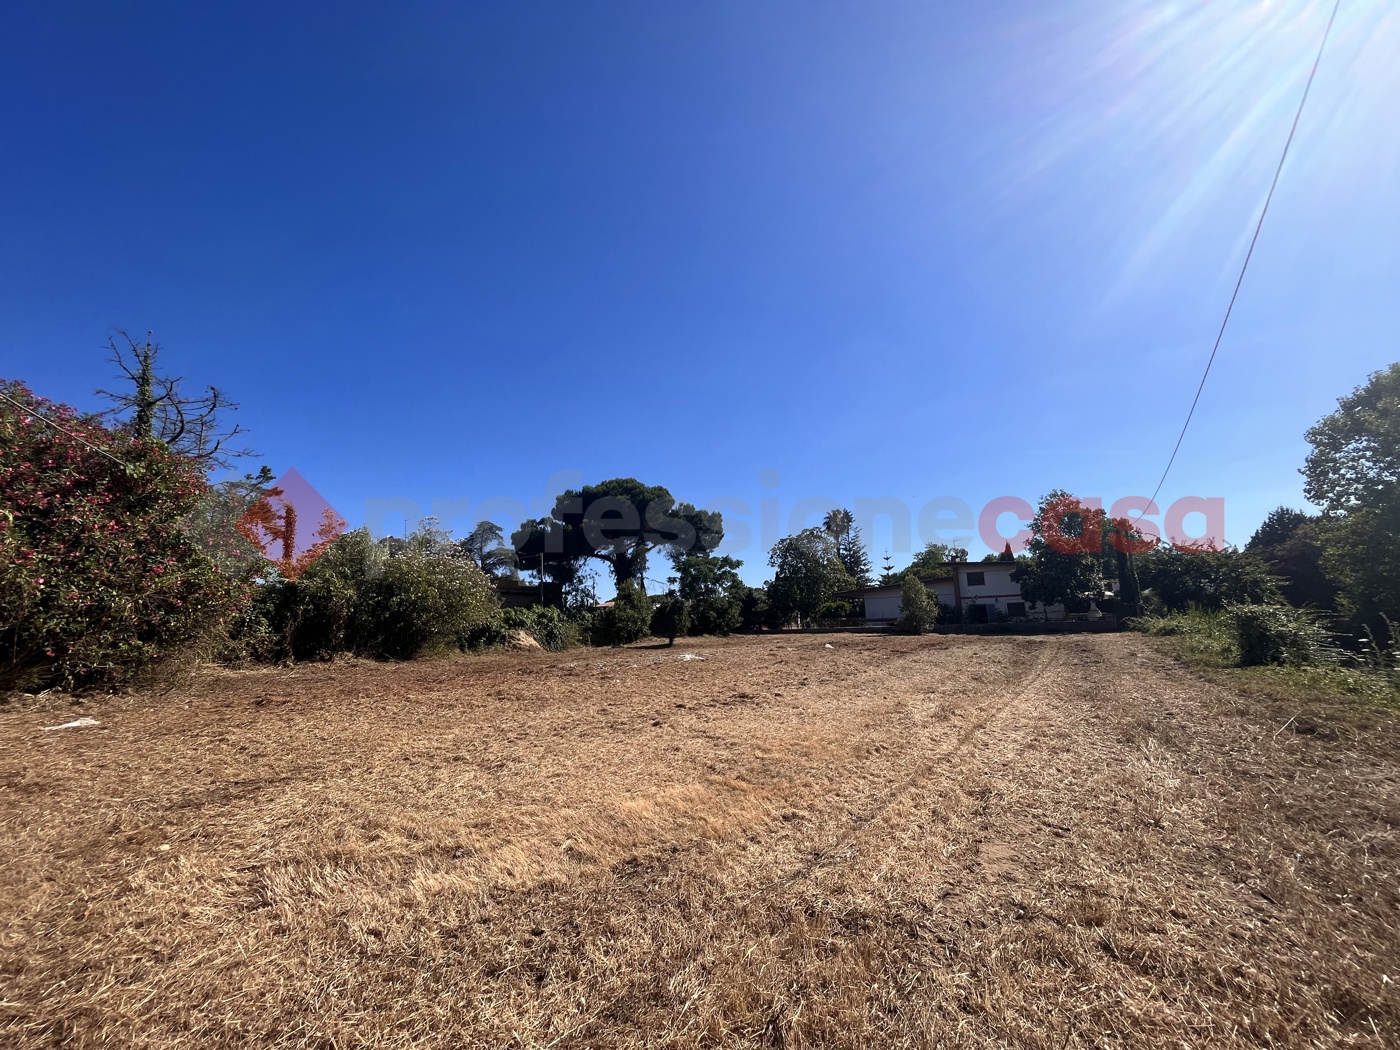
(989, 584)
(882, 604)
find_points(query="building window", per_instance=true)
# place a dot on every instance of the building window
(978, 614)
(976, 579)
(1015, 608)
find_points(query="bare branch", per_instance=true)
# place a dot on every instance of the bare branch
(196, 427)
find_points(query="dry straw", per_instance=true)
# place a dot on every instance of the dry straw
(1059, 842)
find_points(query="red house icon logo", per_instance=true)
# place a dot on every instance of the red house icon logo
(292, 524)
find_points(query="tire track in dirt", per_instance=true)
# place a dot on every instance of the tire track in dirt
(931, 754)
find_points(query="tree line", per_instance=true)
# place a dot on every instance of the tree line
(120, 555)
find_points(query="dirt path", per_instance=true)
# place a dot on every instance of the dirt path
(1045, 842)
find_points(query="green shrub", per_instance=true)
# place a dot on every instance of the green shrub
(755, 612)
(626, 620)
(317, 614)
(1383, 656)
(918, 608)
(420, 602)
(1194, 622)
(489, 635)
(554, 630)
(1207, 637)
(548, 626)
(378, 600)
(1246, 635)
(671, 617)
(1183, 577)
(1281, 634)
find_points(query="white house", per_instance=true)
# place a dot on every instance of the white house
(984, 591)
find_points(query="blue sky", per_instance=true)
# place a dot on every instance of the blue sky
(449, 251)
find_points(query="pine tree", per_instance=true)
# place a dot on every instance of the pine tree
(887, 574)
(851, 550)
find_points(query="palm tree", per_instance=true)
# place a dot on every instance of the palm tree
(838, 523)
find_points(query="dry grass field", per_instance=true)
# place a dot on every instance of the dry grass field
(950, 841)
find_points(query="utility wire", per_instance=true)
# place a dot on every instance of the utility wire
(1248, 255)
(29, 411)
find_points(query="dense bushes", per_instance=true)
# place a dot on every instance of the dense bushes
(100, 580)
(626, 620)
(1279, 652)
(550, 627)
(1249, 635)
(360, 597)
(670, 618)
(1280, 634)
(1181, 578)
(1206, 637)
(418, 602)
(715, 594)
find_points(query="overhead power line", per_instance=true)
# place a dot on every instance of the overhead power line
(29, 410)
(1248, 255)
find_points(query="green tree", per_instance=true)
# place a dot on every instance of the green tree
(934, 559)
(918, 609)
(1361, 556)
(1291, 543)
(755, 612)
(1278, 527)
(628, 618)
(539, 545)
(807, 574)
(1181, 577)
(888, 576)
(1355, 461)
(485, 546)
(711, 585)
(838, 523)
(670, 617)
(854, 558)
(618, 522)
(1066, 550)
(1353, 473)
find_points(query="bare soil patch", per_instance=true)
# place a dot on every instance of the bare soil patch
(949, 841)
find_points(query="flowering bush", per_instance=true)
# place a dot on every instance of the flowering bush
(99, 578)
